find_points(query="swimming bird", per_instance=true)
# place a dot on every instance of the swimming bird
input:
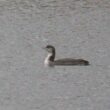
(50, 59)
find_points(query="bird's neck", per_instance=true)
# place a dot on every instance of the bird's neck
(51, 57)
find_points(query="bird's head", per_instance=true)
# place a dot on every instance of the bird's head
(50, 49)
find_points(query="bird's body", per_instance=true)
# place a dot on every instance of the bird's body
(69, 61)
(50, 59)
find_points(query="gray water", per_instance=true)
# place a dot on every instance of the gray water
(78, 29)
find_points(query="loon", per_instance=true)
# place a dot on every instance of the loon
(50, 59)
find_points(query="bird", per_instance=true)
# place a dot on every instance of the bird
(51, 62)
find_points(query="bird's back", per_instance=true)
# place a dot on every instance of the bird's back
(69, 61)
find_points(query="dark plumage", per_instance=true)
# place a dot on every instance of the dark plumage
(65, 61)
